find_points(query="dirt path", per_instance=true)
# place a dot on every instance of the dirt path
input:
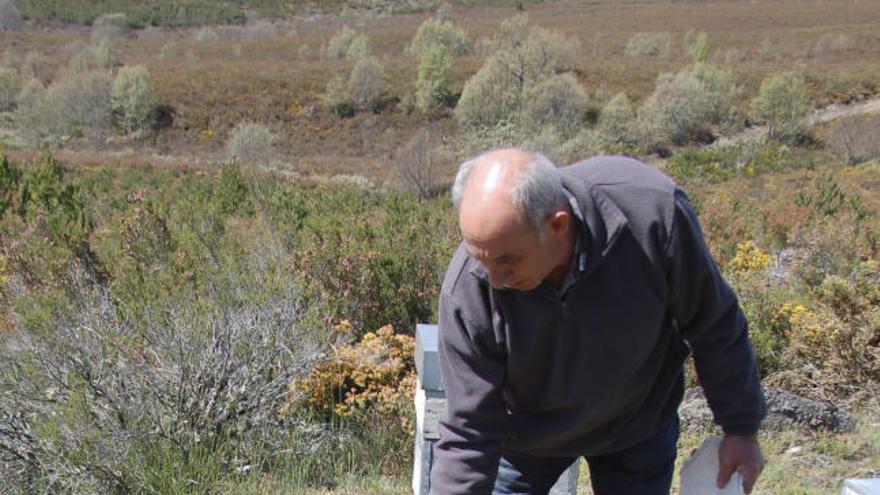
(819, 116)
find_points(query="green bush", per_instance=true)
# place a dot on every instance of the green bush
(783, 104)
(251, 143)
(10, 17)
(337, 98)
(696, 45)
(34, 65)
(110, 26)
(616, 122)
(434, 80)
(366, 83)
(557, 103)
(489, 97)
(684, 105)
(9, 89)
(649, 44)
(521, 57)
(104, 55)
(435, 32)
(134, 103)
(854, 139)
(348, 44)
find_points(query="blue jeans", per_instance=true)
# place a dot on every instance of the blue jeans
(643, 469)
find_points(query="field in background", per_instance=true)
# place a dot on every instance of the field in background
(278, 79)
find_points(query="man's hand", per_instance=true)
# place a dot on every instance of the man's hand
(743, 454)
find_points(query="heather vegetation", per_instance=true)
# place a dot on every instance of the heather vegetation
(212, 285)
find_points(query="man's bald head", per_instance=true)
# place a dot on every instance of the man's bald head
(526, 183)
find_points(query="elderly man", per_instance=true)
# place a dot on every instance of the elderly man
(563, 320)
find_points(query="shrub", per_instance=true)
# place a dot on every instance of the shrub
(206, 35)
(250, 143)
(34, 65)
(359, 47)
(720, 92)
(124, 399)
(110, 26)
(616, 122)
(10, 18)
(489, 97)
(71, 108)
(684, 104)
(9, 89)
(649, 44)
(854, 139)
(365, 84)
(348, 44)
(782, 104)
(336, 97)
(417, 164)
(557, 103)
(105, 55)
(377, 373)
(696, 45)
(32, 113)
(521, 58)
(676, 112)
(434, 32)
(134, 103)
(338, 45)
(434, 80)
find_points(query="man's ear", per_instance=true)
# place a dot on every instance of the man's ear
(558, 222)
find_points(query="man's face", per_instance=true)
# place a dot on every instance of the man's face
(515, 256)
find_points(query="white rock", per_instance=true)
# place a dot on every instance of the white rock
(699, 473)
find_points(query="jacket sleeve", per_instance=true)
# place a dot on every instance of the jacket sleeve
(475, 424)
(708, 316)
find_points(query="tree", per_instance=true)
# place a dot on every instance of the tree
(521, 58)
(434, 80)
(133, 100)
(558, 103)
(616, 120)
(365, 83)
(417, 164)
(250, 142)
(10, 17)
(783, 105)
(435, 32)
(9, 88)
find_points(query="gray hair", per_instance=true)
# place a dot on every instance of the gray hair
(536, 193)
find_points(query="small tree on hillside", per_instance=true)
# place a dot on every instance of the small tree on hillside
(338, 45)
(435, 32)
(110, 25)
(521, 58)
(490, 96)
(559, 103)
(417, 164)
(251, 143)
(134, 102)
(336, 97)
(783, 105)
(615, 126)
(9, 88)
(10, 17)
(434, 80)
(365, 84)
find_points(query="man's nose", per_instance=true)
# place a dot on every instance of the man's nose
(497, 278)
